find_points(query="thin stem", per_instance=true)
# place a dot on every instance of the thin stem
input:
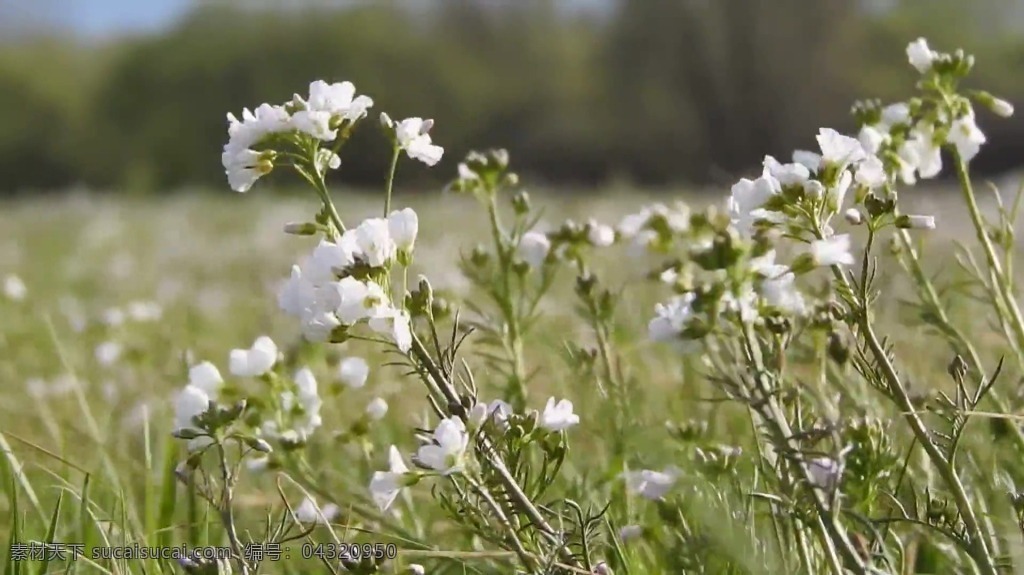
(391, 180)
(227, 511)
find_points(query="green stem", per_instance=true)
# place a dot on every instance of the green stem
(513, 337)
(391, 180)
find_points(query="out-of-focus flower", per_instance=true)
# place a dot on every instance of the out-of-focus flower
(309, 512)
(832, 251)
(558, 416)
(353, 371)
(255, 361)
(671, 318)
(649, 484)
(533, 248)
(14, 288)
(966, 136)
(839, 150)
(600, 235)
(108, 352)
(377, 409)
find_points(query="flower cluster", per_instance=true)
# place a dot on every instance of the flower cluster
(337, 287)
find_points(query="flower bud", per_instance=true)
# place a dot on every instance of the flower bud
(479, 257)
(377, 409)
(477, 416)
(521, 203)
(853, 217)
(386, 121)
(301, 228)
(997, 106)
(908, 222)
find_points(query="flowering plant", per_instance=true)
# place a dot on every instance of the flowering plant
(771, 302)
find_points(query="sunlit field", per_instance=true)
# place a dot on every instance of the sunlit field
(816, 370)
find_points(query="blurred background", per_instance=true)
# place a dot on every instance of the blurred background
(130, 96)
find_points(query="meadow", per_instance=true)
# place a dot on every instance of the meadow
(670, 458)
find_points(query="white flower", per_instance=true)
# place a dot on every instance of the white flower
(558, 416)
(920, 55)
(254, 361)
(499, 411)
(309, 512)
(781, 293)
(316, 123)
(966, 136)
(338, 99)
(853, 217)
(838, 149)
(190, 402)
(373, 237)
(600, 235)
(672, 318)
(652, 485)
(113, 316)
(412, 137)
(329, 259)
(358, 300)
(445, 454)
(871, 173)
(403, 226)
(810, 160)
(630, 532)
(832, 251)
(927, 152)
(308, 396)
(385, 485)
(108, 352)
(244, 167)
(396, 324)
(787, 174)
(416, 569)
(325, 160)
(257, 464)
(746, 199)
(894, 114)
(533, 248)
(872, 138)
(14, 288)
(824, 472)
(353, 371)
(206, 377)
(143, 311)
(377, 409)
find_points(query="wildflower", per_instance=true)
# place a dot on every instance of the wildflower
(500, 411)
(309, 512)
(359, 300)
(315, 123)
(330, 259)
(672, 318)
(446, 453)
(373, 238)
(397, 324)
(558, 416)
(927, 152)
(835, 194)
(257, 464)
(416, 569)
(108, 352)
(824, 472)
(746, 199)
(966, 136)
(794, 174)
(412, 136)
(255, 361)
(113, 316)
(600, 235)
(839, 150)
(1001, 108)
(652, 485)
(810, 160)
(377, 409)
(338, 100)
(832, 251)
(191, 402)
(325, 160)
(630, 532)
(403, 226)
(782, 294)
(871, 173)
(872, 138)
(385, 485)
(308, 396)
(534, 248)
(244, 167)
(353, 371)
(143, 311)
(920, 55)
(206, 377)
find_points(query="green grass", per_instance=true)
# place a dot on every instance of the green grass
(87, 453)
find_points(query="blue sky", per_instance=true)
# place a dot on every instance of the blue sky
(100, 18)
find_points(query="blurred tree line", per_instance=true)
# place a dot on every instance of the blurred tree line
(651, 92)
